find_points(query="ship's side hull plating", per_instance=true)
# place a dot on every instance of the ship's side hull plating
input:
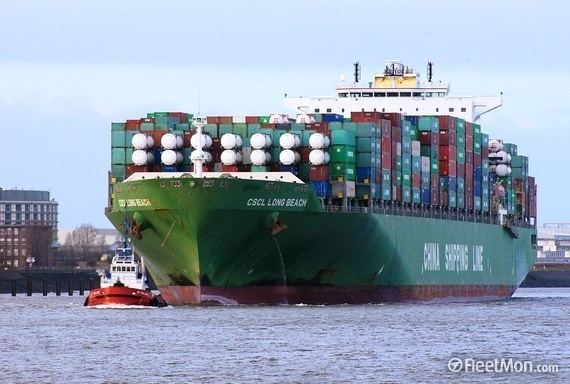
(248, 241)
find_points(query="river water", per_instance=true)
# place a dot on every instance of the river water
(55, 339)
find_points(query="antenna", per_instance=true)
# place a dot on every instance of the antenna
(198, 98)
(356, 72)
(429, 71)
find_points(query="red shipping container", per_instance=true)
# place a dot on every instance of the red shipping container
(434, 196)
(217, 145)
(468, 129)
(434, 181)
(135, 168)
(319, 173)
(460, 170)
(469, 174)
(225, 119)
(305, 152)
(395, 145)
(363, 117)
(446, 123)
(447, 153)
(468, 143)
(156, 136)
(444, 198)
(132, 125)
(269, 126)
(485, 152)
(186, 139)
(387, 145)
(469, 157)
(395, 119)
(251, 119)
(386, 128)
(435, 140)
(448, 138)
(448, 168)
(230, 168)
(319, 127)
(245, 167)
(386, 161)
(477, 160)
(425, 138)
(213, 119)
(416, 180)
(396, 132)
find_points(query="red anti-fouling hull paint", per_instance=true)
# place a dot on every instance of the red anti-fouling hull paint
(184, 295)
(119, 295)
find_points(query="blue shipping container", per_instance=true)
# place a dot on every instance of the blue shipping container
(425, 196)
(363, 173)
(294, 169)
(329, 117)
(322, 188)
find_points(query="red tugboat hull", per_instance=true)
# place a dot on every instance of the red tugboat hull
(119, 295)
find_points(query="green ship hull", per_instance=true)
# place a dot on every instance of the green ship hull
(229, 240)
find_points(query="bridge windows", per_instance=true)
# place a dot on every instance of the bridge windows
(463, 109)
(379, 94)
(343, 94)
(405, 94)
(355, 94)
(366, 94)
(392, 94)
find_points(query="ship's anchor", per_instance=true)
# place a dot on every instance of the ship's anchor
(275, 224)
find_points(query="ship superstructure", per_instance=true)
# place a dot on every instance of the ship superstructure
(397, 89)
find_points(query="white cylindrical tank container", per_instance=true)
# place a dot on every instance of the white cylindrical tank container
(259, 157)
(139, 141)
(149, 142)
(289, 140)
(276, 119)
(168, 141)
(139, 157)
(230, 141)
(288, 157)
(205, 142)
(304, 119)
(149, 157)
(260, 141)
(503, 170)
(228, 157)
(168, 157)
(319, 141)
(319, 157)
(179, 141)
(501, 157)
(179, 158)
(495, 145)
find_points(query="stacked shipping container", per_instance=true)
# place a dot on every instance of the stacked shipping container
(372, 157)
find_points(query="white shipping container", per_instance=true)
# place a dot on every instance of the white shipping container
(398, 149)
(238, 119)
(343, 189)
(416, 148)
(425, 164)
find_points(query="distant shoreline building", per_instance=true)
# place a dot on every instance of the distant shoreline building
(553, 243)
(28, 227)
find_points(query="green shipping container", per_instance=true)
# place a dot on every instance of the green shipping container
(118, 139)
(366, 159)
(212, 129)
(349, 126)
(145, 127)
(335, 126)
(298, 126)
(239, 129)
(253, 128)
(428, 123)
(343, 138)
(224, 128)
(364, 144)
(118, 171)
(305, 137)
(343, 153)
(263, 119)
(366, 130)
(117, 126)
(259, 168)
(342, 172)
(118, 156)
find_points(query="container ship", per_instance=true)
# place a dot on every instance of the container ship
(388, 191)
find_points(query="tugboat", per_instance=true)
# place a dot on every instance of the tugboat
(124, 284)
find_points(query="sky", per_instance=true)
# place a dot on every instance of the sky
(69, 68)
